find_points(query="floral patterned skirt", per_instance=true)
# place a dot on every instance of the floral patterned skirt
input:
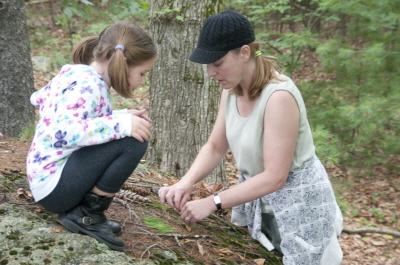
(307, 217)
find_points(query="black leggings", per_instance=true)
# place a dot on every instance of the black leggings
(106, 166)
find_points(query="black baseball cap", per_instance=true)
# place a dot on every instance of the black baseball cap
(221, 33)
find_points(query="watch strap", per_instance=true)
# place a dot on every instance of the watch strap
(217, 201)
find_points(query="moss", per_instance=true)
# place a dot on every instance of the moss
(70, 249)
(228, 262)
(4, 262)
(44, 247)
(158, 223)
(14, 235)
(213, 8)
(13, 252)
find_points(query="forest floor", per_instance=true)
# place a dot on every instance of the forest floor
(366, 200)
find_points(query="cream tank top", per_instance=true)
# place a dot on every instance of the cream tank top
(246, 134)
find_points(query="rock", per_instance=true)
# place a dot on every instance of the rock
(42, 63)
(28, 239)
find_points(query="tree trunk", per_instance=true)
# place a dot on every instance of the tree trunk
(16, 76)
(183, 100)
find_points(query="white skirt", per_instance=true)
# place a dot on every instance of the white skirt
(307, 216)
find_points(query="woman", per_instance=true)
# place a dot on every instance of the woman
(283, 188)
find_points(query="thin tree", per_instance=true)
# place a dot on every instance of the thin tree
(183, 100)
(16, 76)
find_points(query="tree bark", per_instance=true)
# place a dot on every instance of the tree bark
(183, 100)
(16, 76)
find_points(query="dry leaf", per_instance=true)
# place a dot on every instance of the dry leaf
(39, 210)
(57, 230)
(259, 261)
(25, 193)
(201, 249)
(188, 228)
(185, 240)
(225, 251)
(378, 243)
(172, 182)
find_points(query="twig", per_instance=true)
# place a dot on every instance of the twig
(177, 241)
(371, 230)
(50, 251)
(172, 235)
(37, 2)
(147, 232)
(147, 250)
(147, 226)
(23, 203)
(5, 256)
(140, 185)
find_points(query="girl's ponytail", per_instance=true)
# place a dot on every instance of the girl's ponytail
(123, 45)
(83, 51)
(118, 73)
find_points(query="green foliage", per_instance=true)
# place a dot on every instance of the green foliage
(28, 131)
(119, 102)
(362, 125)
(159, 224)
(326, 146)
(79, 19)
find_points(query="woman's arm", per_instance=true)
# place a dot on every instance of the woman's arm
(207, 160)
(281, 122)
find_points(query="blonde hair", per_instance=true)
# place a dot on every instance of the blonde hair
(139, 48)
(265, 72)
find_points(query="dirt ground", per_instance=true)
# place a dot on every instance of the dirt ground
(199, 243)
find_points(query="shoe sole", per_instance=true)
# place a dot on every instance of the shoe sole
(73, 227)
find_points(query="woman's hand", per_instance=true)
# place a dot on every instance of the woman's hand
(197, 210)
(176, 195)
(140, 128)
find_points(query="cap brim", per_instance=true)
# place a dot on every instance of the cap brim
(205, 57)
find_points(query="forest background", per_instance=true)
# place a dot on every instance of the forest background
(344, 56)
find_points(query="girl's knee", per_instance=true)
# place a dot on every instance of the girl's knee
(135, 145)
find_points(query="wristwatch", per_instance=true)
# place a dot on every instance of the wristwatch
(217, 201)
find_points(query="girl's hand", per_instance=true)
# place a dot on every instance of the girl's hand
(176, 195)
(197, 210)
(140, 113)
(140, 128)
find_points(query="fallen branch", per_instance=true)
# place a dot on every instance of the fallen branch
(147, 250)
(171, 235)
(371, 230)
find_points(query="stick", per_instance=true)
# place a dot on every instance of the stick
(172, 235)
(371, 230)
(147, 250)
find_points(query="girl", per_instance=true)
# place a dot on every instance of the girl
(283, 188)
(83, 151)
